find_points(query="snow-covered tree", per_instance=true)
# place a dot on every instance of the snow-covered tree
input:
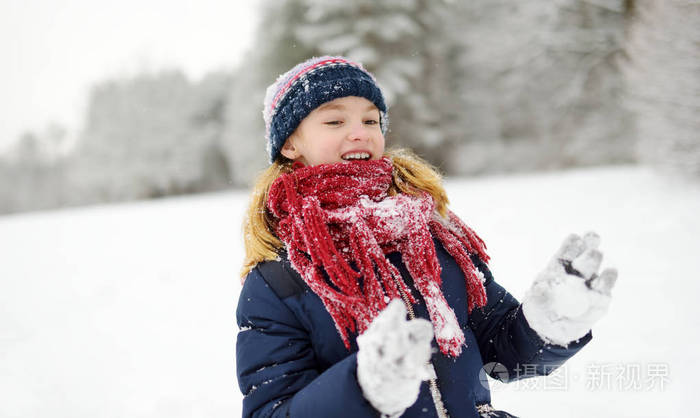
(663, 77)
(32, 172)
(152, 135)
(541, 84)
(276, 49)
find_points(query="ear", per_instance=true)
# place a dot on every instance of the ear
(289, 149)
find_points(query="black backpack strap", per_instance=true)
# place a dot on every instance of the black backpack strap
(281, 277)
(483, 268)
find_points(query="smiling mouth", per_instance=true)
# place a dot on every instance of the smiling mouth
(356, 156)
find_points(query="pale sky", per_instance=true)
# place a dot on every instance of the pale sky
(51, 51)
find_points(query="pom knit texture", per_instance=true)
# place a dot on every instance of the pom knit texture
(339, 223)
(308, 85)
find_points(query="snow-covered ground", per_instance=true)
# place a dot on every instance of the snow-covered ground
(128, 310)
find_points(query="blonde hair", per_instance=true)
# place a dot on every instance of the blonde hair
(412, 175)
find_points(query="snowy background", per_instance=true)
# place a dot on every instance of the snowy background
(566, 115)
(112, 103)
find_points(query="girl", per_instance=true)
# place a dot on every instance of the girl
(363, 295)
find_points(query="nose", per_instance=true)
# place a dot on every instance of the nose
(359, 132)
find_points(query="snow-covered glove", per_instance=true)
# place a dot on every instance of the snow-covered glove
(392, 360)
(569, 296)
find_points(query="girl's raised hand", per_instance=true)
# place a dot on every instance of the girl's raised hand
(569, 296)
(392, 360)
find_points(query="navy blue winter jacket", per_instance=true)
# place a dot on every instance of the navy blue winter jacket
(291, 361)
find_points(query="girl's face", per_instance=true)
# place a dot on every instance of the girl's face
(343, 129)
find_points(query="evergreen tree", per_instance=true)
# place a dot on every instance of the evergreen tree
(540, 85)
(152, 135)
(32, 171)
(663, 77)
(277, 48)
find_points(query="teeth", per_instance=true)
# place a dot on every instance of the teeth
(356, 156)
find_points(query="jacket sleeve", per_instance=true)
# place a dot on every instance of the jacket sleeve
(505, 337)
(276, 366)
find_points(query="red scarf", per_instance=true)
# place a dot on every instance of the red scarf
(339, 219)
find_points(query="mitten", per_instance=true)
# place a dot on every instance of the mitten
(569, 296)
(392, 360)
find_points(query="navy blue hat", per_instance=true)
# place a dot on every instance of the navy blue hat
(310, 84)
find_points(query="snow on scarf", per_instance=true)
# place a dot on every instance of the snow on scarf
(338, 219)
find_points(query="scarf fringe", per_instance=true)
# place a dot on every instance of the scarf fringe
(338, 224)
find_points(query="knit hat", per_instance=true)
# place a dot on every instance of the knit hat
(308, 85)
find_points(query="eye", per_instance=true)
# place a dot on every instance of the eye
(333, 122)
(371, 122)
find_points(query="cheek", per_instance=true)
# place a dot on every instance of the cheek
(381, 142)
(323, 149)
(326, 146)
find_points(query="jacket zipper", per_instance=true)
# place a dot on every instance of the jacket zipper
(434, 389)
